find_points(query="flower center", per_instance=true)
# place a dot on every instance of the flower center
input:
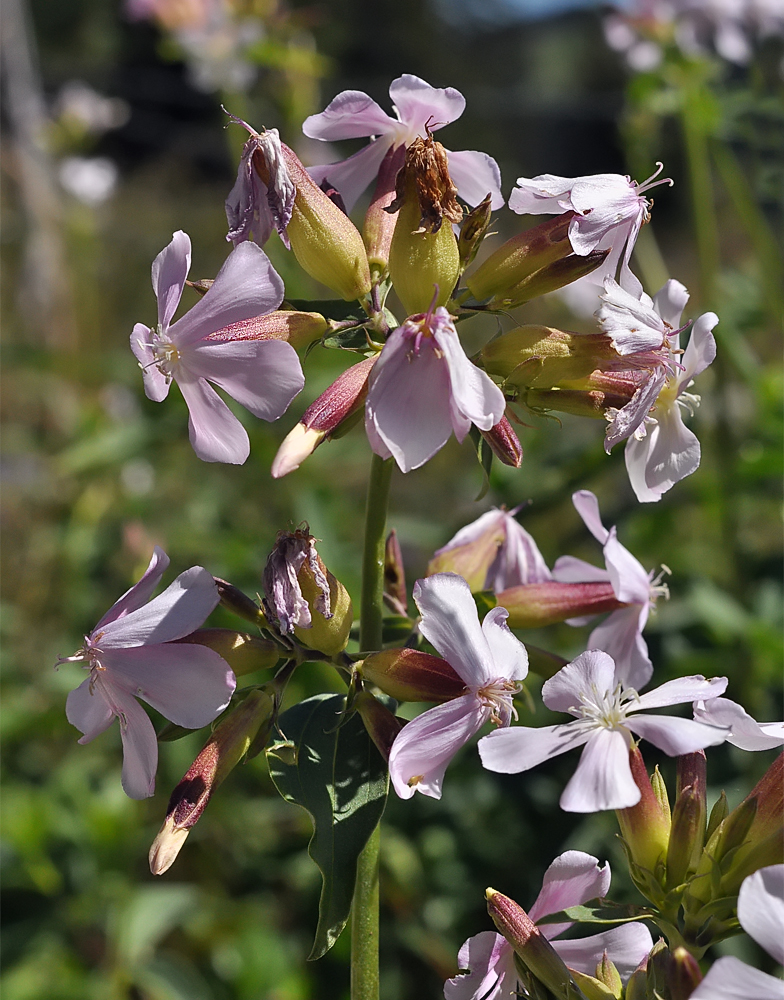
(497, 696)
(166, 354)
(89, 654)
(606, 709)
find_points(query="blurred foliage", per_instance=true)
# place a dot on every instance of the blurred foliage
(94, 474)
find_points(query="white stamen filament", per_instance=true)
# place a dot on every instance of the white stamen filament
(497, 696)
(605, 709)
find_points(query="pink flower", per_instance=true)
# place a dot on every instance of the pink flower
(419, 108)
(487, 657)
(201, 347)
(761, 915)
(571, 880)
(254, 207)
(620, 634)
(606, 716)
(745, 733)
(610, 211)
(422, 388)
(130, 654)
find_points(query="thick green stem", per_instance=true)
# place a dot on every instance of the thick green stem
(364, 907)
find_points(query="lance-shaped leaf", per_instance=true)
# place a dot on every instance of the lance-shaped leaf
(598, 912)
(338, 775)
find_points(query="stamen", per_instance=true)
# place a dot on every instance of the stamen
(651, 181)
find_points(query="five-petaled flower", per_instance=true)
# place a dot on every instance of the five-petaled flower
(420, 109)
(130, 654)
(606, 716)
(209, 344)
(490, 660)
(571, 880)
(422, 388)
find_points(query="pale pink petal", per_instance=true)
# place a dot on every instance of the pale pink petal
(352, 175)
(519, 560)
(215, 433)
(141, 591)
(422, 751)
(88, 710)
(477, 397)
(350, 115)
(626, 947)
(626, 278)
(450, 623)
(421, 106)
(631, 323)
(670, 301)
(606, 204)
(156, 385)
(630, 582)
(682, 689)
(761, 909)
(730, 979)
(591, 671)
(570, 569)
(546, 194)
(491, 974)
(509, 655)
(587, 506)
(626, 420)
(571, 880)
(180, 609)
(473, 531)
(701, 349)
(246, 286)
(140, 747)
(169, 271)
(187, 683)
(619, 635)
(676, 736)
(603, 779)
(519, 748)
(263, 375)
(475, 175)
(671, 452)
(745, 732)
(636, 458)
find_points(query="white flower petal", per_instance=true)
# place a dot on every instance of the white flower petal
(730, 979)
(681, 690)
(670, 301)
(450, 622)
(509, 655)
(592, 671)
(489, 960)
(745, 732)
(169, 271)
(603, 779)
(140, 592)
(519, 748)
(571, 880)
(676, 736)
(587, 506)
(215, 433)
(350, 115)
(88, 710)
(626, 947)
(156, 385)
(761, 909)
(475, 175)
(421, 106)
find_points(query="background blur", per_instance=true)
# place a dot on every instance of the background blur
(113, 137)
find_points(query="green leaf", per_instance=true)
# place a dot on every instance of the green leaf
(354, 338)
(597, 912)
(337, 309)
(339, 776)
(397, 628)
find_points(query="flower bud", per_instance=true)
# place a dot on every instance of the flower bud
(423, 254)
(533, 948)
(725, 843)
(533, 605)
(683, 974)
(591, 988)
(504, 443)
(322, 419)
(379, 223)
(608, 975)
(225, 748)
(473, 230)
(409, 675)
(548, 279)
(243, 652)
(381, 724)
(300, 329)
(660, 791)
(541, 357)
(472, 559)
(395, 594)
(302, 597)
(520, 257)
(718, 814)
(687, 832)
(233, 599)
(645, 827)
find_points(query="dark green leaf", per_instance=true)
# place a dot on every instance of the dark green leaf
(352, 339)
(339, 776)
(337, 309)
(597, 912)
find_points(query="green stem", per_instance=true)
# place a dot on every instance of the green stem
(701, 183)
(364, 906)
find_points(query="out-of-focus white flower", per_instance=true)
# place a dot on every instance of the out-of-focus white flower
(78, 101)
(90, 179)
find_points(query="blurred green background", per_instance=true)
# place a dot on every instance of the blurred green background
(94, 474)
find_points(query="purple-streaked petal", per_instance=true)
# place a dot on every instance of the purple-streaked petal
(140, 747)
(88, 710)
(745, 732)
(670, 301)
(570, 569)
(187, 683)
(246, 286)
(352, 175)
(676, 736)
(350, 115)
(509, 751)
(626, 420)
(156, 385)
(730, 979)
(546, 194)
(619, 635)
(262, 375)
(571, 880)
(587, 506)
(761, 909)
(603, 779)
(592, 671)
(215, 433)
(421, 106)
(140, 592)
(476, 395)
(682, 689)
(169, 271)
(668, 453)
(701, 349)
(630, 582)
(509, 655)
(178, 611)
(476, 175)
(422, 751)
(450, 623)
(491, 974)
(626, 947)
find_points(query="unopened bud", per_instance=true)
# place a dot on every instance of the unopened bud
(521, 256)
(728, 837)
(473, 231)
(687, 832)
(534, 605)
(381, 724)
(591, 988)
(379, 223)
(660, 791)
(233, 599)
(608, 975)
(423, 254)
(533, 948)
(718, 814)
(300, 329)
(645, 827)
(549, 278)
(504, 443)
(225, 748)
(409, 675)
(244, 653)
(472, 559)
(325, 415)
(683, 974)
(395, 593)
(542, 357)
